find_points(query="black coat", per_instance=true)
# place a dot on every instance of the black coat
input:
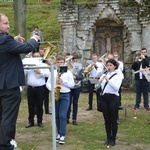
(136, 66)
(11, 67)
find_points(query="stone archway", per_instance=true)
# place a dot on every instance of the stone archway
(108, 38)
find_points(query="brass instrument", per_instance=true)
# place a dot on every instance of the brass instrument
(73, 70)
(58, 87)
(88, 69)
(103, 60)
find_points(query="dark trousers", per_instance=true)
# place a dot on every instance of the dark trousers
(35, 97)
(10, 101)
(91, 91)
(110, 104)
(46, 100)
(141, 87)
(74, 97)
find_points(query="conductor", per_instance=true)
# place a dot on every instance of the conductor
(11, 77)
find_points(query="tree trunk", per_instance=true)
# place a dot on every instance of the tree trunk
(20, 17)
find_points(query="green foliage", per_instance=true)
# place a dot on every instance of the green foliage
(44, 15)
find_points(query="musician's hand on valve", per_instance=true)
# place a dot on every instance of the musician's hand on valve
(59, 81)
(38, 71)
(136, 59)
(142, 56)
(106, 78)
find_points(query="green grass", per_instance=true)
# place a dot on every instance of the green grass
(133, 134)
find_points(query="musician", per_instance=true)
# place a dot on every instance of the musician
(110, 100)
(66, 81)
(94, 74)
(36, 93)
(75, 91)
(141, 83)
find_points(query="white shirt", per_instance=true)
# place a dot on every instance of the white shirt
(32, 77)
(113, 84)
(68, 81)
(120, 69)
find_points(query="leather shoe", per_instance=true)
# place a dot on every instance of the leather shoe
(112, 142)
(29, 125)
(48, 112)
(74, 122)
(40, 124)
(107, 142)
(89, 108)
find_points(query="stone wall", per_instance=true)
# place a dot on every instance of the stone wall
(78, 26)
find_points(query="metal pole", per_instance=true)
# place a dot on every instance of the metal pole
(53, 108)
(52, 98)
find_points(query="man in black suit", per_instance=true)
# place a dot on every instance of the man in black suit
(11, 77)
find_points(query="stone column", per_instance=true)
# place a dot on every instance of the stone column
(135, 40)
(146, 38)
(69, 38)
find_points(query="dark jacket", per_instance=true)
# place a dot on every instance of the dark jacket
(11, 67)
(136, 66)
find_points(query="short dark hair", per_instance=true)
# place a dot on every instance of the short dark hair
(114, 62)
(143, 49)
(36, 27)
(75, 56)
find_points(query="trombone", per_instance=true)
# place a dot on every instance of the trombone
(103, 60)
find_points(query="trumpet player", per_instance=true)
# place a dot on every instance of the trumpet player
(141, 84)
(97, 70)
(66, 82)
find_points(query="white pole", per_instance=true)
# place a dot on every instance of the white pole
(53, 109)
(52, 98)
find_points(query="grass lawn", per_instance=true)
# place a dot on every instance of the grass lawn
(133, 134)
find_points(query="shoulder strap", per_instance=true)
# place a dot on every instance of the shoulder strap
(107, 81)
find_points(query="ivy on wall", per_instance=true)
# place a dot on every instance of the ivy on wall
(143, 7)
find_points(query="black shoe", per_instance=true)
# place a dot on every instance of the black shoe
(74, 122)
(29, 125)
(107, 142)
(112, 142)
(67, 121)
(48, 112)
(40, 124)
(89, 108)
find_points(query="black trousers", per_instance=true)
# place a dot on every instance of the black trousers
(91, 91)
(46, 100)
(9, 104)
(35, 97)
(110, 104)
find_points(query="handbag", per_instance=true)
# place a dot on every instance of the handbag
(99, 106)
